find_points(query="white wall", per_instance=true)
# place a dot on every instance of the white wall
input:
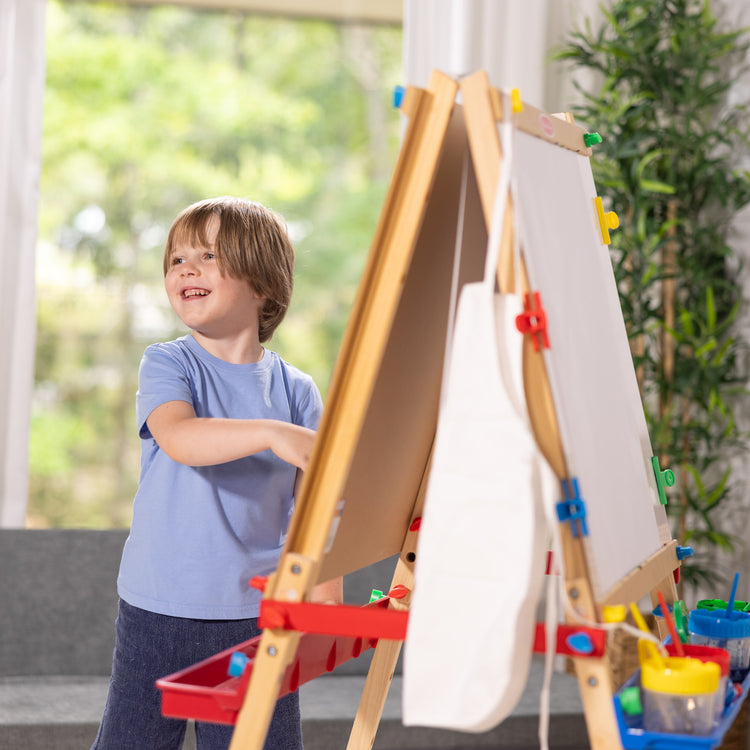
(737, 16)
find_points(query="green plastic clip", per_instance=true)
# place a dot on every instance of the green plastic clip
(375, 595)
(680, 614)
(630, 700)
(663, 479)
(591, 139)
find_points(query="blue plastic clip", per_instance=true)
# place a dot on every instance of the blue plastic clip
(572, 508)
(398, 96)
(237, 663)
(663, 479)
(683, 552)
(581, 643)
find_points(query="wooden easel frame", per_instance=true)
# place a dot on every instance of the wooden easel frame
(353, 383)
(303, 561)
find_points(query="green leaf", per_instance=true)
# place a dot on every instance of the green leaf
(654, 186)
(710, 309)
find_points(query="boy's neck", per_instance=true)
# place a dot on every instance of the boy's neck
(242, 349)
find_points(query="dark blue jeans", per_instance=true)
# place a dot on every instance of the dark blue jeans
(150, 646)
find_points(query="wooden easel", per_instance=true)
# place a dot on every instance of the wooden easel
(374, 443)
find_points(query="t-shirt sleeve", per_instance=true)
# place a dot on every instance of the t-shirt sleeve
(161, 378)
(309, 405)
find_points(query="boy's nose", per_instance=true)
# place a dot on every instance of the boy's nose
(188, 268)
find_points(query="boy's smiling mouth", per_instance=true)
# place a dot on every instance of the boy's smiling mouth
(194, 292)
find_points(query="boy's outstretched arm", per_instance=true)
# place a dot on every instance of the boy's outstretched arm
(201, 441)
(329, 592)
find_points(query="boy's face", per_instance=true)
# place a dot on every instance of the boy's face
(205, 301)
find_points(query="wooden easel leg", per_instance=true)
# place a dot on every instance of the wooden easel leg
(276, 651)
(596, 688)
(595, 682)
(371, 704)
(383, 663)
(278, 648)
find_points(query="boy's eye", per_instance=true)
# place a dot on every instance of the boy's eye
(176, 261)
(210, 256)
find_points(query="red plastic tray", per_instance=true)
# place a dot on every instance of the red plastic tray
(206, 692)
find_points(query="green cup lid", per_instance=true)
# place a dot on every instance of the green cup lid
(714, 604)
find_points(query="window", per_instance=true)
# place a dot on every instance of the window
(148, 109)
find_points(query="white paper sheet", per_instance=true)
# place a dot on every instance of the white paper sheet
(604, 434)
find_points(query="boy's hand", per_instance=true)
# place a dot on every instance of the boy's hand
(293, 443)
(328, 592)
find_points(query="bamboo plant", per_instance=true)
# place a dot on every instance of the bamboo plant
(668, 166)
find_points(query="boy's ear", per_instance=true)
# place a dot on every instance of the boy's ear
(255, 293)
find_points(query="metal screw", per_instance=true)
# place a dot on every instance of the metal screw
(574, 593)
(593, 682)
(272, 651)
(296, 569)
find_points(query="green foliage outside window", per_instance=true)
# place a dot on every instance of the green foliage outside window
(146, 111)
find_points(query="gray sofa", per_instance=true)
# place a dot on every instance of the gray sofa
(57, 609)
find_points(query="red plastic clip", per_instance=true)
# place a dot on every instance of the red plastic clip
(274, 615)
(259, 582)
(533, 320)
(398, 592)
(415, 524)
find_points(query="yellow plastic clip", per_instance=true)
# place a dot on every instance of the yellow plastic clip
(614, 613)
(515, 101)
(607, 221)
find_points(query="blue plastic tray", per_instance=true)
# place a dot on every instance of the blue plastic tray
(634, 737)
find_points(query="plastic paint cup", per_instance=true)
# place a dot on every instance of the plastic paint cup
(680, 696)
(718, 656)
(721, 630)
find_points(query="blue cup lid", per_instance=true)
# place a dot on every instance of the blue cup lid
(716, 624)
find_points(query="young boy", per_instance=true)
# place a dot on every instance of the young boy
(225, 427)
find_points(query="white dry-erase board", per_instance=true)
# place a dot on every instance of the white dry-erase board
(602, 426)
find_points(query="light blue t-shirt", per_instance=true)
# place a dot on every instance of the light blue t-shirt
(200, 533)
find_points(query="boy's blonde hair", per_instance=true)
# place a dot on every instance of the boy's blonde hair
(252, 244)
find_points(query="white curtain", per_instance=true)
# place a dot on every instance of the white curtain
(510, 39)
(22, 66)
